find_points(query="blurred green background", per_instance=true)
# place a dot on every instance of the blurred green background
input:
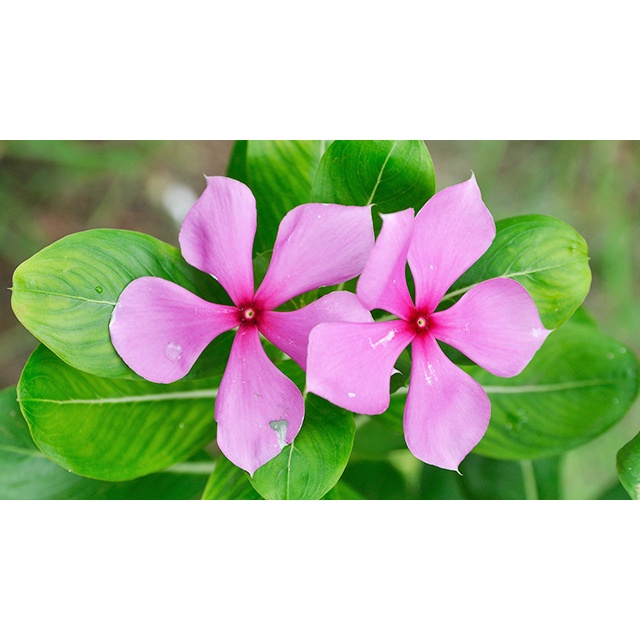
(53, 188)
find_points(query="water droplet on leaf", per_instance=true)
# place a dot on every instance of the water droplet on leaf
(99, 289)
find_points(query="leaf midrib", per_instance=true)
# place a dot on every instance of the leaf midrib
(151, 397)
(382, 168)
(62, 295)
(453, 294)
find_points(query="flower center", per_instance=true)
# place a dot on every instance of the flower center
(421, 322)
(248, 314)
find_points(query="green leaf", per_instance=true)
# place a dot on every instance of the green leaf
(486, 479)
(342, 491)
(439, 484)
(113, 429)
(628, 461)
(27, 474)
(376, 480)
(279, 173)
(547, 256)
(65, 294)
(392, 175)
(313, 463)
(228, 482)
(579, 384)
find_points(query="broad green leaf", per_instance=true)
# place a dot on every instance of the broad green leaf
(392, 175)
(579, 384)
(113, 429)
(66, 293)
(547, 256)
(279, 173)
(228, 482)
(27, 474)
(628, 460)
(313, 463)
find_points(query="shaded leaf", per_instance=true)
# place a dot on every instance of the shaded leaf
(113, 429)
(228, 482)
(486, 479)
(342, 491)
(376, 480)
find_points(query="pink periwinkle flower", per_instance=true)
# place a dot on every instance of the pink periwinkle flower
(495, 323)
(159, 328)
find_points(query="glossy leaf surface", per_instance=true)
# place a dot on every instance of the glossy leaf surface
(547, 256)
(27, 474)
(629, 467)
(113, 429)
(66, 293)
(391, 174)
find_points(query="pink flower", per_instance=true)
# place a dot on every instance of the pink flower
(159, 329)
(495, 323)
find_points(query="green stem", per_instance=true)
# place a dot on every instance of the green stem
(529, 478)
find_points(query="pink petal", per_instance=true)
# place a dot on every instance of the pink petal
(350, 364)
(289, 330)
(217, 236)
(496, 324)
(317, 245)
(258, 409)
(160, 329)
(447, 411)
(452, 230)
(383, 283)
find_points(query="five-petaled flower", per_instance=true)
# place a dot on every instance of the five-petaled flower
(495, 323)
(160, 329)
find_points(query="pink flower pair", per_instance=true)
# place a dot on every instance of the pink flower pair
(160, 329)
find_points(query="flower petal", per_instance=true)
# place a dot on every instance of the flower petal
(258, 409)
(160, 329)
(383, 283)
(447, 411)
(217, 236)
(452, 230)
(289, 330)
(317, 245)
(496, 324)
(350, 364)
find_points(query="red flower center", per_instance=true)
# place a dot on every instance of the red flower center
(248, 314)
(421, 321)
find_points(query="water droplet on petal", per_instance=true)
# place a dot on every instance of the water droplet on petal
(280, 427)
(173, 351)
(351, 394)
